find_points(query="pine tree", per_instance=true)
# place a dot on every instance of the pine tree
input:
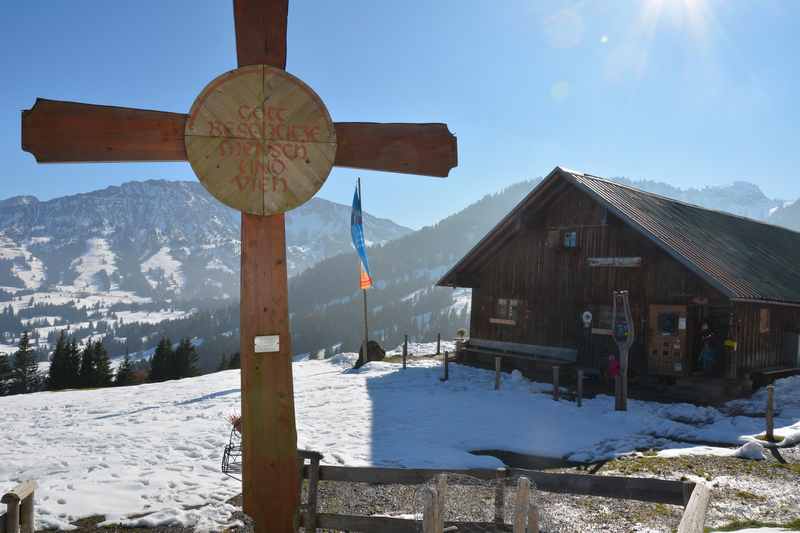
(124, 374)
(59, 365)
(73, 371)
(26, 371)
(184, 361)
(161, 362)
(223, 363)
(235, 361)
(88, 369)
(103, 376)
(5, 375)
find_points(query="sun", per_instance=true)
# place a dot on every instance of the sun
(690, 21)
(692, 16)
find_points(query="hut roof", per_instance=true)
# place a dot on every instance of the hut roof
(744, 258)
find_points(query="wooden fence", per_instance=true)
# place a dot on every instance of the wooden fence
(641, 489)
(18, 515)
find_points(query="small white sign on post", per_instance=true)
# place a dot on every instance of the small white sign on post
(267, 344)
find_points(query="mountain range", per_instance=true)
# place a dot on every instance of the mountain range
(155, 239)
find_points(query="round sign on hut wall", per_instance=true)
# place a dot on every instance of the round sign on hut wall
(260, 140)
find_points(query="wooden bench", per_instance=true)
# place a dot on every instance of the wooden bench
(18, 516)
(512, 355)
(763, 378)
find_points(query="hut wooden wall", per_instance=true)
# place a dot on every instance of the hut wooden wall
(759, 350)
(557, 285)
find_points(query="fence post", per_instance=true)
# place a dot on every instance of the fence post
(311, 505)
(618, 394)
(19, 508)
(497, 362)
(26, 515)
(500, 496)
(521, 505)
(405, 350)
(580, 388)
(556, 389)
(694, 515)
(770, 433)
(429, 511)
(533, 513)
(441, 493)
(12, 516)
(446, 366)
(438, 343)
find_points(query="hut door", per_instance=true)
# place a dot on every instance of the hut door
(667, 347)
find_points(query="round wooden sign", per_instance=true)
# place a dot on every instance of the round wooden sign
(260, 140)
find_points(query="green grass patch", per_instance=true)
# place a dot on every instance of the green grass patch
(794, 525)
(749, 496)
(791, 467)
(763, 437)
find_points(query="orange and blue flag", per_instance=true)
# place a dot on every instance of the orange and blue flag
(357, 232)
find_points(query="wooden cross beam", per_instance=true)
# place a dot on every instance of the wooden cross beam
(261, 141)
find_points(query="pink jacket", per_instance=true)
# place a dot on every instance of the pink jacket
(613, 368)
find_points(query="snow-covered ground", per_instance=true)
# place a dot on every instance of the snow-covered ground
(157, 447)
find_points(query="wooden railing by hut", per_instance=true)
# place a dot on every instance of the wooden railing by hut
(18, 514)
(651, 490)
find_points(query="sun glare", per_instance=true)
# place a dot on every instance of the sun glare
(691, 20)
(692, 16)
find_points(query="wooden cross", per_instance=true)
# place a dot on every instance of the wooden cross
(262, 142)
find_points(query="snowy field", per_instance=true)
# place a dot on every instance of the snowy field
(157, 447)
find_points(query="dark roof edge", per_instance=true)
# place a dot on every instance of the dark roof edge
(687, 204)
(786, 303)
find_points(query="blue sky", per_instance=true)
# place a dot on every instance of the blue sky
(691, 92)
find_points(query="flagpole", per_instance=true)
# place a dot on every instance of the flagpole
(363, 291)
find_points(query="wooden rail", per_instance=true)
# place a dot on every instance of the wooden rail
(18, 517)
(628, 488)
(651, 490)
(384, 524)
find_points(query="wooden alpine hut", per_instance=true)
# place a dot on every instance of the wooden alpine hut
(698, 281)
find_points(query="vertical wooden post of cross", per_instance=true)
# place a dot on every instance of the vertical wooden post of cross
(271, 485)
(267, 389)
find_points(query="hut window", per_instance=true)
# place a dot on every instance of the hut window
(570, 239)
(668, 324)
(763, 323)
(507, 309)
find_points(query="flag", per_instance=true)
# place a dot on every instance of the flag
(357, 232)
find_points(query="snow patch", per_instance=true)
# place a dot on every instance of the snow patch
(26, 267)
(161, 269)
(97, 258)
